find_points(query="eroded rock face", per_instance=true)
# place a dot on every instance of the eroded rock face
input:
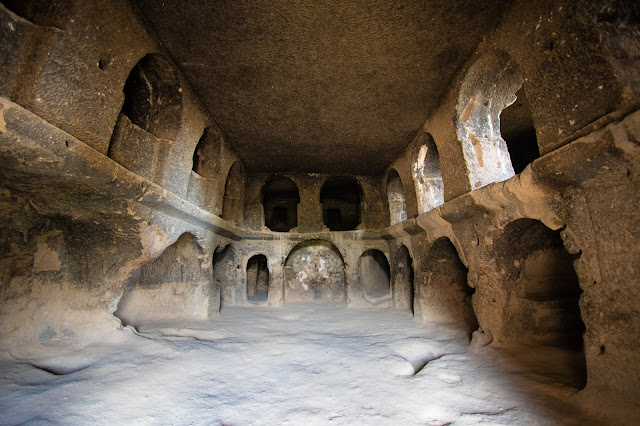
(141, 179)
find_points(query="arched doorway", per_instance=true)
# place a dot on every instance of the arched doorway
(257, 279)
(542, 295)
(444, 295)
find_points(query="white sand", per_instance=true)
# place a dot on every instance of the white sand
(301, 364)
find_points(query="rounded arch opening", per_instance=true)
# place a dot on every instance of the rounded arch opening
(340, 198)
(445, 295)
(427, 177)
(206, 154)
(493, 83)
(153, 97)
(543, 293)
(257, 279)
(233, 200)
(375, 274)
(395, 197)
(315, 272)
(280, 199)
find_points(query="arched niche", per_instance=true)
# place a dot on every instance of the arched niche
(395, 196)
(403, 277)
(257, 279)
(153, 97)
(427, 177)
(151, 113)
(340, 198)
(280, 199)
(315, 271)
(375, 275)
(493, 83)
(233, 200)
(445, 295)
(206, 156)
(543, 293)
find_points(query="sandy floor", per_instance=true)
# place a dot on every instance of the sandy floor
(302, 364)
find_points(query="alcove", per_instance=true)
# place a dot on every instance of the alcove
(427, 177)
(375, 274)
(315, 271)
(493, 83)
(445, 295)
(151, 115)
(543, 293)
(280, 199)
(233, 201)
(257, 279)
(340, 198)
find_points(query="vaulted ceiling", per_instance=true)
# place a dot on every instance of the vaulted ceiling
(320, 86)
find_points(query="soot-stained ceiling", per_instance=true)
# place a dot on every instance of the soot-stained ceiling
(327, 87)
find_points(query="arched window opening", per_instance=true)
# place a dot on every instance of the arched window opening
(395, 195)
(233, 202)
(543, 294)
(315, 271)
(340, 199)
(403, 277)
(153, 97)
(426, 175)
(152, 110)
(519, 132)
(375, 275)
(444, 295)
(206, 155)
(257, 279)
(490, 86)
(280, 199)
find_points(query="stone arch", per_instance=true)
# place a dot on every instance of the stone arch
(233, 200)
(375, 275)
(151, 115)
(493, 83)
(206, 155)
(315, 271)
(542, 292)
(427, 177)
(403, 278)
(395, 197)
(257, 279)
(444, 294)
(280, 199)
(153, 97)
(341, 198)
